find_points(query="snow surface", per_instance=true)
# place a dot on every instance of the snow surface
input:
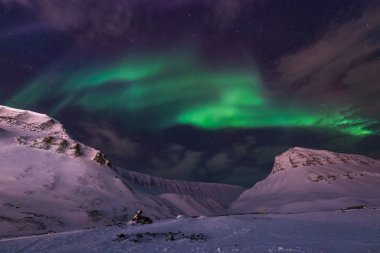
(313, 180)
(335, 231)
(49, 182)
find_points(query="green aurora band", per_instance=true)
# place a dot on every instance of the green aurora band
(166, 90)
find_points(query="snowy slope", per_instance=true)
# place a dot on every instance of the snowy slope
(322, 232)
(191, 198)
(50, 182)
(310, 180)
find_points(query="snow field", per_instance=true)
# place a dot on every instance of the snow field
(337, 232)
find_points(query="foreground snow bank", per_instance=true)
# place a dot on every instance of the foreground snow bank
(350, 231)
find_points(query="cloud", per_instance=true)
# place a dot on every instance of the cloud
(341, 67)
(183, 167)
(89, 20)
(225, 11)
(24, 3)
(245, 176)
(218, 162)
(97, 20)
(104, 136)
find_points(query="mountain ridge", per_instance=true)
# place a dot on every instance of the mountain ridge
(305, 157)
(305, 180)
(50, 182)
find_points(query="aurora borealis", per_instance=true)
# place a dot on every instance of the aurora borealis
(212, 69)
(182, 91)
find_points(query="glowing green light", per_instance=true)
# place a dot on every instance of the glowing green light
(350, 124)
(165, 90)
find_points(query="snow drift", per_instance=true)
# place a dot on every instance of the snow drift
(335, 231)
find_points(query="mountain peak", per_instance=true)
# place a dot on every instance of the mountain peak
(298, 157)
(29, 121)
(308, 180)
(39, 131)
(49, 181)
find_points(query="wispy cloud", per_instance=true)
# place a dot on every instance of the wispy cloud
(341, 67)
(88, 20)
(96, 20)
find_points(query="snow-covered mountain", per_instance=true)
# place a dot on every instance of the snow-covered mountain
(190, 198)
(311, 180)
(48, 181)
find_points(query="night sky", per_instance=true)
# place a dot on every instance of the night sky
(196, 90)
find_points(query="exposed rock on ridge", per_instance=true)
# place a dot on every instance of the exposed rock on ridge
(301, 157)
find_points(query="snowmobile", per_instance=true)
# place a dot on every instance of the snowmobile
(139, 219)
